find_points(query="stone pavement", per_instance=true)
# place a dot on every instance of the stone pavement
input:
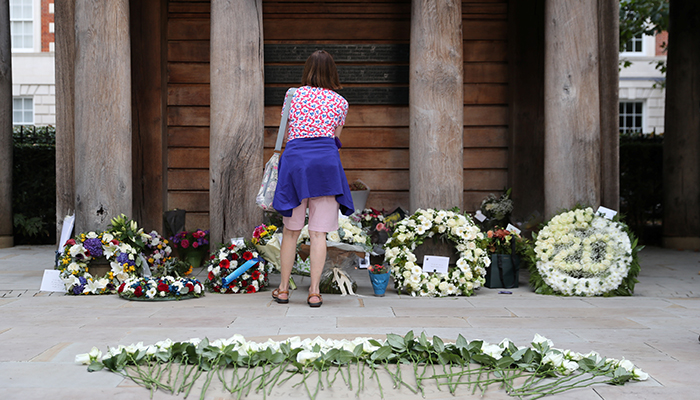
(41, 332)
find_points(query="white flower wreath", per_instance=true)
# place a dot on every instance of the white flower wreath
(580, 253)
(455, 227)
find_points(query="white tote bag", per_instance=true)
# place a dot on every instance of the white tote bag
(266, 194)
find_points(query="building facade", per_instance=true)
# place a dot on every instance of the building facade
(33, 66)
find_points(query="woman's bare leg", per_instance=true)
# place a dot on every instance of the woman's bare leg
(318, 259)
(288, 254)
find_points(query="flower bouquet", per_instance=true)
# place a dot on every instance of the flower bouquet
(505, 248)
(581, 253)
(157, 252)
(236, 269)
(266, 241)
(496, 209)
(163, 288)
(191, 246)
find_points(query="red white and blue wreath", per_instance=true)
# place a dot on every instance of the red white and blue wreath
(236, 269)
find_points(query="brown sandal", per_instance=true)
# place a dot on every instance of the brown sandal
(277, 292)
(316, 304)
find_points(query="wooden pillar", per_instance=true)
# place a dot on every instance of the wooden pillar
(526, 91)
(148, 110)
(609, 78)
(237, 118)
(682, 120)
(6, 146)
(64, 19)
(103, 173)
(572, 105)
(436, 105)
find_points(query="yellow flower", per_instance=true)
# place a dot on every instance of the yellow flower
(165, 241)
(272, 228)
(150, 260)
(189, 271)
(160, 246)
(110, 274)
(263, 233)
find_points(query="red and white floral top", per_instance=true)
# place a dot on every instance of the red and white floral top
(316, 112)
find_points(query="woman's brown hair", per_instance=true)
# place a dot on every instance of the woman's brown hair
(320, 71)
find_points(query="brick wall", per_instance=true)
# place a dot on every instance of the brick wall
(47, 24)
(661, 41)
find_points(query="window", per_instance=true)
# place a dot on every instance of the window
(22, 111)
(631, 116)
(636, 45)
(21, 24)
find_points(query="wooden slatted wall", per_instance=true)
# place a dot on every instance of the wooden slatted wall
(485, 29)
(188, 109)
(376, 136)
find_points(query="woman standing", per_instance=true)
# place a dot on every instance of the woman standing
(310, 173)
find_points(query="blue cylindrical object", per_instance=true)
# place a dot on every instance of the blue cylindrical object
(240, 271)
(379, 283)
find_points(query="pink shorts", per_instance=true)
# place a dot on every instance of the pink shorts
(323, 215)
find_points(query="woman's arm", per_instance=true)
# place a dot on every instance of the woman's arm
(337, 130)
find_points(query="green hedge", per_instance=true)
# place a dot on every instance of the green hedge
(34, 185)
(641, 182)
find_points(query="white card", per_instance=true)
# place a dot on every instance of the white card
(480, 216)
(52, 282)
(364, 262)
(66, 231)
(238, 241)
(436, 264)
(511, 228)
(607, 213)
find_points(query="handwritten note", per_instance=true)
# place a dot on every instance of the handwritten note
(51, 281)
(436, 264)
(606, 212)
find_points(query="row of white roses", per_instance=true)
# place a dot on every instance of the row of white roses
(564, 362)
(153, 292)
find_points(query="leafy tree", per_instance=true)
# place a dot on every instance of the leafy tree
(645, 17)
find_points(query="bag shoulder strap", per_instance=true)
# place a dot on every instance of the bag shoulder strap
(285, 116)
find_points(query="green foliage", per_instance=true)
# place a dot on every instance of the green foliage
(34, 185)
(646, 17)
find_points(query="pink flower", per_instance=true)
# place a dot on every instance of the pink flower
(185, 243)
(381, 227)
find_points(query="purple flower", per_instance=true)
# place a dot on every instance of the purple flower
(94, 246)
(77, 289)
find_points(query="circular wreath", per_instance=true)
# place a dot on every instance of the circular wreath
(163, 288)
(456, 228)
(227, 260)
(580, 253)
(80, 251)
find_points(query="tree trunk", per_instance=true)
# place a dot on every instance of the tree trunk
(609, 50)
(436, 105)
(682, 137)
(526, 83)
(148, 108)
(237, 118)
(6, 146)
(65, 111)
(103, 174)
(572, 105)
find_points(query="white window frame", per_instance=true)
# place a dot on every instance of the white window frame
(644, 115)
(643, 52)
(23, 21)
(23, 111)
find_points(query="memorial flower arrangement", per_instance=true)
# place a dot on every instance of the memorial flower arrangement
(497, 208)
(236, 269)
(191, 246)
(503, 241)
(378, 269)
(268, 244)
(79, 252)
(263, 233)
(456, 228)
(349, 233)
(531, 371)
(157, 251)
(368, 218)
(581, 253)
(163, 288)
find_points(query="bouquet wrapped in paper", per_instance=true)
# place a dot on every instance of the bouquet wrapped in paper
(267, 241)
